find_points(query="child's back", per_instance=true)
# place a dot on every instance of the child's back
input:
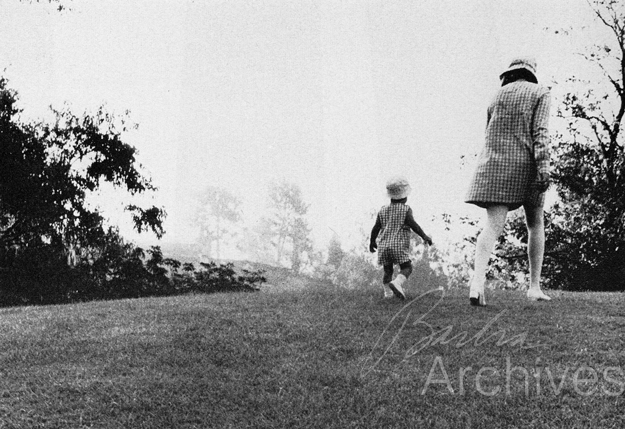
(394, 237)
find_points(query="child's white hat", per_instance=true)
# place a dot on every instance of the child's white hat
(398, 187)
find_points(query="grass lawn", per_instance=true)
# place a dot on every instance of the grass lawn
(317, 358)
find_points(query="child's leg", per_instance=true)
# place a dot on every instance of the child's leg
(388, 276)
(405, 269)
(395, 285)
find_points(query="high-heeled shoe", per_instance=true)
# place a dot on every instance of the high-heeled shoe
(477, 298)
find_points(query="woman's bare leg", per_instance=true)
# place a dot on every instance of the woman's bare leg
(495, 222)
(535, 220)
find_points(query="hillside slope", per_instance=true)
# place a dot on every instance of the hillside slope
(315, 358)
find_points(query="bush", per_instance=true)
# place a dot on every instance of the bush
(37, 275)
(422, 272)
(223, 278)
(40, 275)
(357, 272)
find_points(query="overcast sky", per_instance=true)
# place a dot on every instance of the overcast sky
(335, 96)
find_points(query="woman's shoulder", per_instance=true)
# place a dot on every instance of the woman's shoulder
(543, 90)
(520, 90)
(537, 88)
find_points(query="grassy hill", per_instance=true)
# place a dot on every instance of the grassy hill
(316, 358)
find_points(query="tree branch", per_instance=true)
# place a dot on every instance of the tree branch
(615, 83)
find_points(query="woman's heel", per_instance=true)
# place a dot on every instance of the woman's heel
(476, 297)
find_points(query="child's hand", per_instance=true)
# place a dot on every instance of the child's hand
(427, 240)
(372, 246)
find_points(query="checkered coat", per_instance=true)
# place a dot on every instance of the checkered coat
(516, 148)
(394, 238)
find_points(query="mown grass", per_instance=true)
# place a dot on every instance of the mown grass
(317, 358)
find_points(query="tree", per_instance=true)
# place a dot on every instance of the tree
(216, 212)
(335, 252)
(301, 243)
(48, 170)
(587, 236)
(586, 226)
(286, 224)
(256, 242)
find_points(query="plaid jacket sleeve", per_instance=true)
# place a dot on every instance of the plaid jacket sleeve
(540, 132)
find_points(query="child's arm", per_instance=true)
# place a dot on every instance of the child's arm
(374, 234)
(416, 228)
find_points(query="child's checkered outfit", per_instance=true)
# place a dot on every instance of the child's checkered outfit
(394, 239)
(391, 237)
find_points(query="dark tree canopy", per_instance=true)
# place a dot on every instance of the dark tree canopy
(587, 237)
(48, 170)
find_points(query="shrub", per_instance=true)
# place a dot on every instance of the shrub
(356, 272)
(224, 278)
(40, 275)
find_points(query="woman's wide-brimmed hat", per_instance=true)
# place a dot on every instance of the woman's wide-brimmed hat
(398, 187)
(527, 63)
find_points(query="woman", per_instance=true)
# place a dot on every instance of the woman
(513, 170)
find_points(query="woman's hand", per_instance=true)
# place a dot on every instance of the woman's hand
(543, 181)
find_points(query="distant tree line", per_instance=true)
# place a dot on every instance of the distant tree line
(281, 237)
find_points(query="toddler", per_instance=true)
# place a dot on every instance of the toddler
(392, 227)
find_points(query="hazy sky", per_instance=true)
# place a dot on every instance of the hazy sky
(333, 95)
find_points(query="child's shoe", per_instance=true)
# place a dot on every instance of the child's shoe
(395, 286)
(388, 292)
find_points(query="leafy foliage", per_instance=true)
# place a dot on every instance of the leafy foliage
(357, 272)
(220, 278)
(54, 247)
(113, 270)
(587, 234)
(48, 170)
